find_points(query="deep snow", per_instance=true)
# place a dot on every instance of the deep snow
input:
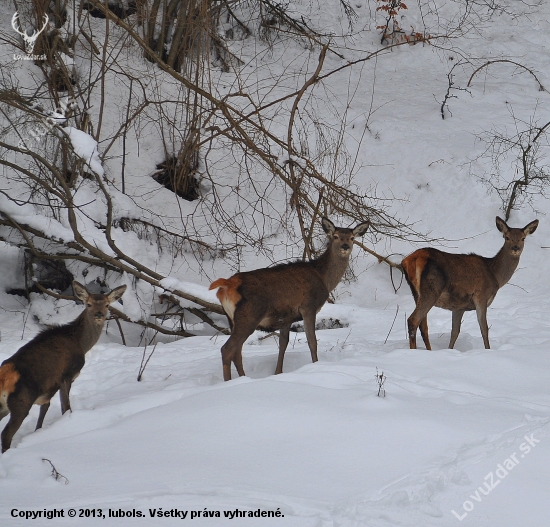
(316, 443)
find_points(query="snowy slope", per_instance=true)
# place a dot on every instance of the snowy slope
(316, 443)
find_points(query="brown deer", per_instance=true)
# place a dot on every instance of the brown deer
(51, 362)
(460, 282)
(275, 297)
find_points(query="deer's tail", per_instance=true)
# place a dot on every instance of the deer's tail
(8, 379)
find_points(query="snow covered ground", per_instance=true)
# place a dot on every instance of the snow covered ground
(462, 436)
(315, 443)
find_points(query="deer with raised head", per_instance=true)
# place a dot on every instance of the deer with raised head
(275, 297)
(51, 362)
(460, 282)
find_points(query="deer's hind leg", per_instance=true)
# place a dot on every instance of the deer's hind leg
(243, 327)
(424, 332)
(19, 404)
(426, 295)
(64, 396)
(419, 317)
(43, 411)
(64, 390)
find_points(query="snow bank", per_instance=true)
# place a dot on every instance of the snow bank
(85, 147)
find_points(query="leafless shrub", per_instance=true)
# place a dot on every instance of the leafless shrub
(288, 161)
(451, 88)
(519, 167)
(380, 379)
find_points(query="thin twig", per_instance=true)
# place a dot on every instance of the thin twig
(380, 258)
(120, 329)
(272, 334)
(541, 87)
(448, 95)
(124, 139)
(394, 319)
(55, 474)
(395, 289)
(295, 181)
(144, 362)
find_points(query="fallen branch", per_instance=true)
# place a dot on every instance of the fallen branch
(207, 320)
(118, 314)
(156, 327)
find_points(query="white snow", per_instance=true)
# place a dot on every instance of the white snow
(85, 147)
(171, 283)
(316, 443)
(25, 214)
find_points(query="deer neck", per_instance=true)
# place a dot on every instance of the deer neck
(88, 332)
(503, 266)
(331, 267)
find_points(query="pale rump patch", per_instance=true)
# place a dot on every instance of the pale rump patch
(8, 379)
(414, 265)
(227, 294)
(418, 274)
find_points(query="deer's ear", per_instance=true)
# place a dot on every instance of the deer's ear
(530, 228)
(116, 293)
(328, 226)
(501, 225)
(80, 291)
(361, 228)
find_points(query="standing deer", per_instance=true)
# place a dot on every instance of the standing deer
(275, 297)
(460, 282)
(51, 362)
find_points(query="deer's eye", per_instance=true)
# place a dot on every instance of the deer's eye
(352, 238)
(335, 236)
(89, 305)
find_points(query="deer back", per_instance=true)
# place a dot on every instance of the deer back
(279, 292)
(456, 278)
(453, 278)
